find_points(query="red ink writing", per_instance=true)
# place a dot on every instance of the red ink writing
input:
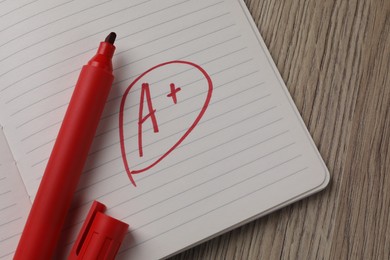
(145, 90)
(146, 96)
(174, 90)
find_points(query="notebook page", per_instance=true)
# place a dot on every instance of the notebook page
(14, 202)
(248, 144)
(5, 153)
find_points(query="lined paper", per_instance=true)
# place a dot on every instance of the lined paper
(14, 202)
(250, 143)
(5, 153)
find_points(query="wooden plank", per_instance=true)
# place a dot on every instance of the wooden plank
(362, 228)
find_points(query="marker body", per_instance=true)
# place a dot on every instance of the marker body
(66, 162)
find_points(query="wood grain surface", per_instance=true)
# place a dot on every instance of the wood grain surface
(334, 56)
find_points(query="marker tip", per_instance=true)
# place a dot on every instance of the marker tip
(111, 38)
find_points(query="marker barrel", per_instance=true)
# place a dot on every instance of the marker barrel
(66, 162)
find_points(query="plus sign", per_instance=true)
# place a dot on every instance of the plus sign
(173, 92)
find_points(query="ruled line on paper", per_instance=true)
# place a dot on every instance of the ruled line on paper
(213, 163)
(7, 207)
(204, 151)
(200, 93)
(13, 201)
(72, 28)
(207, 150)
(40, 115)
(205, 63)
(31, 89)
(186, 159)
(196, 52)
(134, 228)
(52, 22)
(7, 254)
(221, 129)
(215, 193)
(226, 83)
(23, 78)
(37, 132)
(52, 140)
(176, 74)
(215, 209)
(195, 140)
(181, 30)
(23, 108)
(180, 44)
(10, 237)
(3, 193)
(43, 160)
(116, 83)
(18, 8)
(40, 100)
(10, 221)
(203, 121)
(62, 105)
(39, 13)
(183, 115)
(117, 40)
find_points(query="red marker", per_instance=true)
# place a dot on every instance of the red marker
(66, 162)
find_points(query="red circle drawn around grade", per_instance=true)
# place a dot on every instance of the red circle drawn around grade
(121, 112)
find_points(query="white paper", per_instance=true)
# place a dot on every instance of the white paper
(14, 202)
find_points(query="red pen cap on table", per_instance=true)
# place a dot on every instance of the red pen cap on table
(100, 237)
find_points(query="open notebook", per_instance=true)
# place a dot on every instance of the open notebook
(244, 149)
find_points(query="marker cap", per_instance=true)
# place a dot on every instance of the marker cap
(100, 237)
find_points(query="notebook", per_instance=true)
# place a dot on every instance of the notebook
(225, 145)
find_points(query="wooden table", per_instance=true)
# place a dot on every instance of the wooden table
(334, 56)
